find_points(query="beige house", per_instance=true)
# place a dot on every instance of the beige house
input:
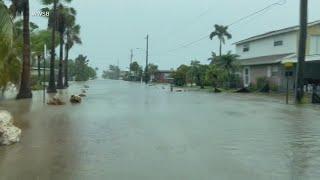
(263, 56)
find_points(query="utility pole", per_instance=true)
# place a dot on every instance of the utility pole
(131, 59)
(131, 56)
(147, 61)
(302, 51)
(44, 73)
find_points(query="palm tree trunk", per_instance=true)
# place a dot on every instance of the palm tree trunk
(220, 48)
(60, 74)
(66, 70)
(52, 83)
(25, 89)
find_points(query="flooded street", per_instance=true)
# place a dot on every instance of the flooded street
(129, 131)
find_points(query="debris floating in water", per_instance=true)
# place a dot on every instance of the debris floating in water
(56, 102)
(75, 99)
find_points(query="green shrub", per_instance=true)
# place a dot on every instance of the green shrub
(274, 87)
(253, 87)
(261, 82)
(37, 87)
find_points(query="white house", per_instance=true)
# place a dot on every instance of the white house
(263, 55)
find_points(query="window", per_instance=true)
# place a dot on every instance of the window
(315, 45)
(246, 48)
(278, 43)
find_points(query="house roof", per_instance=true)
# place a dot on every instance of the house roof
(293, 58)
(272, 59)
(276, 32)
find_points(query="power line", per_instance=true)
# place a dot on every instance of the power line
(278, 3)
(265, 9)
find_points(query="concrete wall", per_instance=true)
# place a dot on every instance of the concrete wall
(266, 71)
(312, 31)
(274, 77)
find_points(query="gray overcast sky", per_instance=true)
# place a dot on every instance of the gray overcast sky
(110, 28)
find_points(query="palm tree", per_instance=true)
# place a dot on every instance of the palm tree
(52, 85)
(73, 37)
(153, 69)
(213, 58)
(229, 63)
(38, 40)
(9, 62)
(221, 32)
(193, 71)
(215, 75)
(61, 29)
(6, 24)
(19, 7)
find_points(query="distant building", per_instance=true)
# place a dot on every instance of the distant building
(163, 76)
(264, 55)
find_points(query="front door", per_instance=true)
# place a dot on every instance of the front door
(246, 76)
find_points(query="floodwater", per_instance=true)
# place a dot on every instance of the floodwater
(129, 131)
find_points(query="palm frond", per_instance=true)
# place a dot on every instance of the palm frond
(6, 24)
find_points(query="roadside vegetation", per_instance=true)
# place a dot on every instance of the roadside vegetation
(221, 72)
(22, 45)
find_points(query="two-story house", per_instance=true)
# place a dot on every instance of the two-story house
(265, 54)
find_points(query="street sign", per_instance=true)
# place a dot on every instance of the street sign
(288, 65)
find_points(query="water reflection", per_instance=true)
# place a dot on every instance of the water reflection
(132, 131)
(304, 149)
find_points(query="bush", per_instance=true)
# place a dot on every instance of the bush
(253, 87)
(261, 82)
(274, 87)
(37, 87)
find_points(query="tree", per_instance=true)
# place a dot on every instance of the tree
(201, 75)
(215, 75)
(112, 73)
(66, 16)
(9, 63)
(221, 32)
(52, 85)
(180, 75)
(81, 70)
(152, 69)
(134, 67)
(73, 37)
(229, 63)
(193, 71)
(6, 25)
(213, 58)
(19, 7)
(38, 40)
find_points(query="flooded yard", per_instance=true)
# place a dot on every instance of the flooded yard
(130, 131)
